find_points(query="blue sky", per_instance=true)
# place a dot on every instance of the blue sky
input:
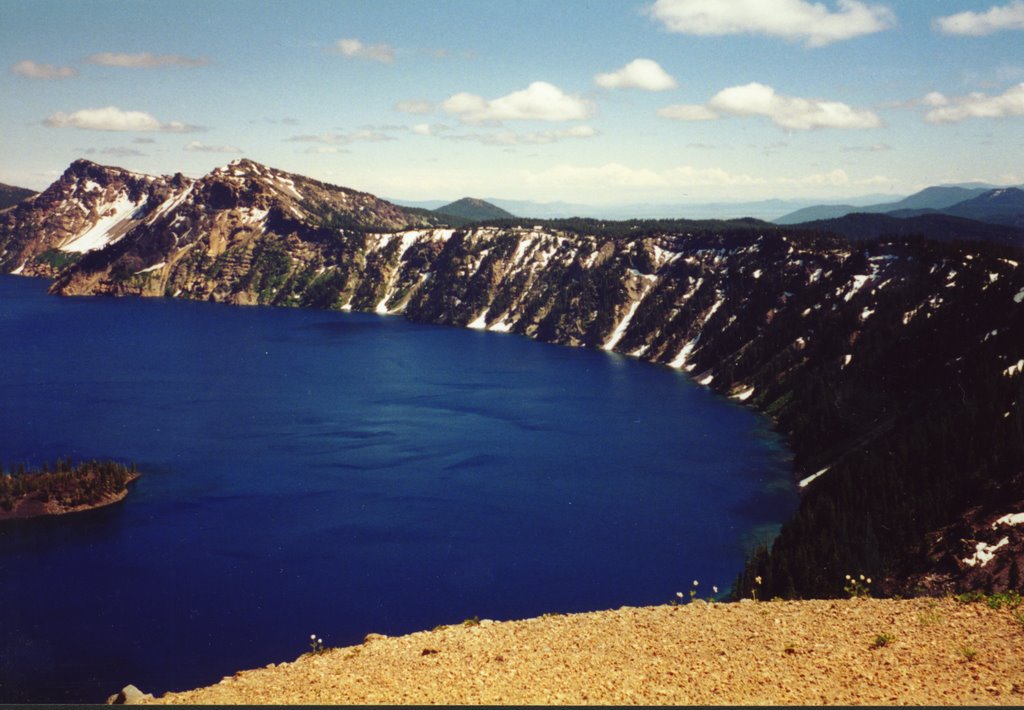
(601, 101)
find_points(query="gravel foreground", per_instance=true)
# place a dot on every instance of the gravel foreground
(937, 652)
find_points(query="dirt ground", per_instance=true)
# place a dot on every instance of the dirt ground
(859, 651)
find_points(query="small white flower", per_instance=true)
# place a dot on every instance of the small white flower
(319, 640)
(714, 589)
(869, 580)
(862, 578)
(847, 577)
(757, 579)
(695, 582)
(312, 637)
(679, 594)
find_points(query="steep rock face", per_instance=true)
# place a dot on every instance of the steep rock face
(89, 207)
(234, 236)
(892, 367)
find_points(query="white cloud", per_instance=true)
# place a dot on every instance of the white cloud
(623, 176)
(354, 48)
(365, 134)
(325, 149)
(814, 23)
(874, 181)
(417, 106)
(533, 138)
(616, 175)
(688, 112)
(790, 112)
(111, 118)
(197, 147)
(977, 24)
(976, 105)
(934, 98)
(34, 70)
(607, 175)
(540, 101)
(145, 60)
(117, 152)
(644, 74)
(833, 178)
(873, 148)
(423, 129)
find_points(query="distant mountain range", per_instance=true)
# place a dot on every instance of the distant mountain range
(942, 213)
(760, 209)
(994, 204)
(11, 195)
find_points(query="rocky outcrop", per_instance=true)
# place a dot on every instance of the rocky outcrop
(129, 695)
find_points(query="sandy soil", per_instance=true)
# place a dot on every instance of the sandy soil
(816, 652)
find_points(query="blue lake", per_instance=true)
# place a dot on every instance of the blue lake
(341, 474)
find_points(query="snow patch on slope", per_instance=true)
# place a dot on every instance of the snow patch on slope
(154, 267)
(107, 230)
(804, 482)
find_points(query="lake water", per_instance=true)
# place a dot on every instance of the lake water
(342, 474)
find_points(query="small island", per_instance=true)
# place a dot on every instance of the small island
(66, 488)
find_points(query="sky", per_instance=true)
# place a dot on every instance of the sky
(598, 102)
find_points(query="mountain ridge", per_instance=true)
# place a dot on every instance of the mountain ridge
(12, 195)
(1000, 206)
(935, 197)
(983, 203)
(846, 346)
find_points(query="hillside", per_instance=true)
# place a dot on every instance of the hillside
(891, 367)
(931, 652)
(473, 210)
(11, 195)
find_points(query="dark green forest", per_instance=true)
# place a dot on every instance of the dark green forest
(920, 425)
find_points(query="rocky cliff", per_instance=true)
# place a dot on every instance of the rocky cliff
(893, 367)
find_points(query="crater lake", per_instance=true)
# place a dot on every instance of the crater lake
(339, 474)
